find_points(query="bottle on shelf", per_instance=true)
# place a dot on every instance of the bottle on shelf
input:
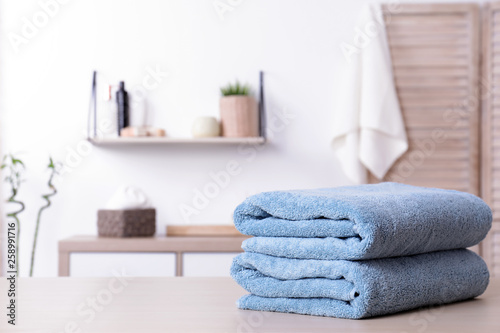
(107, 115)
(123, 107)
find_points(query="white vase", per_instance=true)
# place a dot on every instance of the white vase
(204, 127)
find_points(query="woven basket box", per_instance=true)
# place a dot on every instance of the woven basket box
(126, 223)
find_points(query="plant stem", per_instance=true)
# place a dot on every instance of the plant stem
(38, 219)
(18, 225)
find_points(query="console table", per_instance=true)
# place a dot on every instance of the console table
(177, 246)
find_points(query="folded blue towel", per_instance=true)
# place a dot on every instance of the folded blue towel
(358, 289)
(361, 222)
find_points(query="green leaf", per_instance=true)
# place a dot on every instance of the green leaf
(235, 89)
(17, 161)
(51, 164)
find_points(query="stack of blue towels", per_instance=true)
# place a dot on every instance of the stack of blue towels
(360, 251)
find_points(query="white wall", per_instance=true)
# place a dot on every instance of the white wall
(45, 89)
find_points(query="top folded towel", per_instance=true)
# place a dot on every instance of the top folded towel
(361, 222)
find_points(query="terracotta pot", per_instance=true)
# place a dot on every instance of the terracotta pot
(239, 116)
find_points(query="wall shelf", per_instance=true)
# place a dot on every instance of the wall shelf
(167, 140)
(93, 138)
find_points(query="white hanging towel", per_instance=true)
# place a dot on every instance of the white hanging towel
(369, 132)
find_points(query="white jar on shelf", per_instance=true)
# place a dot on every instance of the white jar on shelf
(204, 127)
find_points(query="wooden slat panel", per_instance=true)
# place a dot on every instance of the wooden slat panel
(496, 195)
(452, 185)
(435, 56)
(427, 134)
(452, 42)
(411, 101)
(428, 31)
(444, 174)
(426, 72)
(490, 150)
(429, 52)
(490, 249)
(423, 91)
(418, 19)
(433, 81)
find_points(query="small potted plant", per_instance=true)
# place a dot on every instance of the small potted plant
(239, 113)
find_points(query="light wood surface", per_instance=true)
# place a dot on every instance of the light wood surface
(208, 305)
(202, 230)
(177, 245)
(435, 55)
(167, 140)
(490, 159)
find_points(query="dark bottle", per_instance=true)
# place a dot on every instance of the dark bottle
(123, 111)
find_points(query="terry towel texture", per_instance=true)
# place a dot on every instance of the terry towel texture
(361, 222)
(360, 251)
(358, 289)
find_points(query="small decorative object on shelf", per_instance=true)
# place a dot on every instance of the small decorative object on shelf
(128, 213)
(107, 118)
(238, 111)
(123, 107)
(142, 131)
(205, 127)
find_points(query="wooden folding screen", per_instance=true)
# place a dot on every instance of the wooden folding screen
(435, 56)
(490, 159)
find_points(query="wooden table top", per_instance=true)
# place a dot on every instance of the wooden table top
(110, 305)
(152, 244)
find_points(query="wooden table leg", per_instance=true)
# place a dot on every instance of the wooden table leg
(178, 264)
(63, 263)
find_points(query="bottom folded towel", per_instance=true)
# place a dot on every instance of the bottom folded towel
(358, 289)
